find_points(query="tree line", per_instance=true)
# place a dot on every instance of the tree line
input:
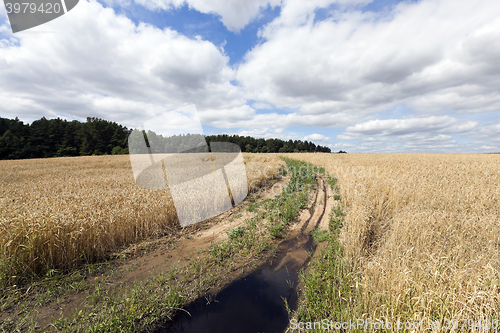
(196, 143)
(252, 145)
(58, 138)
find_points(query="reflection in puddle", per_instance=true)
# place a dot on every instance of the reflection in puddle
(254, 303)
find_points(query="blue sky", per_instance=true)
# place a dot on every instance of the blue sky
(361, 76)
(192, 23)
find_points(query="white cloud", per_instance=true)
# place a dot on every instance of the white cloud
(316, 137)
(428, 55)
(435, 58)
(401, 127)
(299, 12)
(236, 14)
(99, 63)
(429, 134)
(277, 120)
(487, 132)
(228, 117)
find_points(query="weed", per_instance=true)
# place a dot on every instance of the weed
(236, 233)
(330, 284)
(252, 207)
(320, 235)
(337, 210)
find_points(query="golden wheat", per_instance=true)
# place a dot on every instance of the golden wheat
(59, 212)
(423, 231)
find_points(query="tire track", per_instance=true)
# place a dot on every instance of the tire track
(311, 211)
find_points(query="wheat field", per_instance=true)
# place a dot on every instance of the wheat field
(60, 212)
(423, 232)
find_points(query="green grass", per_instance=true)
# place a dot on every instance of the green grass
(285, 207)
(333, 185)
(236, 233)
(252, 207)
(320, 235)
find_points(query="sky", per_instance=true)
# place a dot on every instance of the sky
(354, 75)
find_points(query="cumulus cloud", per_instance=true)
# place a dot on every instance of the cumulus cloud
(428, 55)
(277, 120)
(410, 126)
(426, 134)
(488, 132)
(236, 14)
(98, 63)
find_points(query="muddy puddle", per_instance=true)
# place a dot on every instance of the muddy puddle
(253, 303)
(258, 301)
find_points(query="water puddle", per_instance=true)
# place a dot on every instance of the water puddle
(257, 301)
(253, 303)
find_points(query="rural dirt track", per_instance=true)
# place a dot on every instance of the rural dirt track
(299, 248)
